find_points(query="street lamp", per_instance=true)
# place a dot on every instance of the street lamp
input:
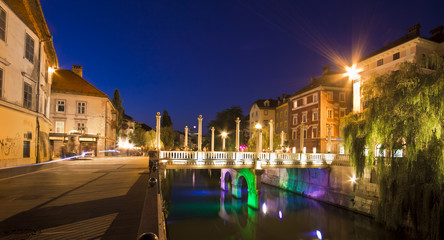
(258, 127)
(353, 72)
(224, 136)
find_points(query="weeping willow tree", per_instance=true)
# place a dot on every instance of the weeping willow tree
(405, 114)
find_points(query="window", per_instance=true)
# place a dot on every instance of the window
(295, 120)
(305, 133)
(295, 104)
(395, 56)
(309, 99)
(293, 134)
(342, 112)
(280, 114)
(26, 149)
(314, 132)
(285, 124)
(379, 62)
(60, 127)
(27, 96)
(342, 97)
(330, 96)
(2, 24)
(81, 107)
(1, 82)
(267, 103)
(301, 102)
(315, 115)
(285, 113)
(315, 98)
(29, 53)
(60, 106)
(330, 113)
(304, 117)
(265, 112)
(81, 127)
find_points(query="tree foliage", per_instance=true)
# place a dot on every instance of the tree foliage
(117, 102)
(167, 135)
(252, 142)
(225, 121)
(165, 121)
(138, 136)
(405, 111)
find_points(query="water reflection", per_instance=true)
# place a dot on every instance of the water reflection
(198, 209)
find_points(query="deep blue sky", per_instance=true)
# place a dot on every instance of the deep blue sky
(203, 56)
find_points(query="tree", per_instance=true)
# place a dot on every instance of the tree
(138, 136)
(405, 113)
(166, 130)
(117, 102)
(265, 139)
(150, 137)
(225, 121)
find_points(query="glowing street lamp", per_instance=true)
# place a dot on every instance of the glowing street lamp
(258, 127)
(224, 136)
(353, 72)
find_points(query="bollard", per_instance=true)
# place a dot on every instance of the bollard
(152, 182)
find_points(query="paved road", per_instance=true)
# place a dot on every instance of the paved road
(100, 198)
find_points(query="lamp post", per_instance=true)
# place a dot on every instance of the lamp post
(237, 133)
(212, 139)
(199, 134)
(271, 135)
(185, 144)
(158, 131)
(224, 136)
(353, 75)
(258, 127)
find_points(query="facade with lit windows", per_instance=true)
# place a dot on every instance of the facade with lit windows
(388, 58)
(262, 111)
(282, 118)
(84, 118)
(316, 111)
(26, 57)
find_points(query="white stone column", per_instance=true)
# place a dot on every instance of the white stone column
(212, 139)
(329, 135)
(199, 136)
(158, 131)
(223, 143)
(259, 141)
(237, 133)
(302, 138)
(271, 135)
(282, 138)
(185, 144)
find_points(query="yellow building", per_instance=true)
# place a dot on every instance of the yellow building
(84, 118)
(26, 57)
(388, 58)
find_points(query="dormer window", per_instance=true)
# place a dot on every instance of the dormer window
(267, 103)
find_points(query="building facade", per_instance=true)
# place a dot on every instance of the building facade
(262, 111)
(388, 58)
(27, 57)
(282, 119)
(84, 118)
(316, 112)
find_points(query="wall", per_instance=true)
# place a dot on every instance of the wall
(331, 185)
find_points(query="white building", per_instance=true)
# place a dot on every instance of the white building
(79, 109)
(26, 57)
(388, 58)
(262, 111)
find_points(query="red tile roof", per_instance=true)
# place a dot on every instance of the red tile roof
(66, 81)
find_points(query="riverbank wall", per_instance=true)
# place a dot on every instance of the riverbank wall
(332, 185)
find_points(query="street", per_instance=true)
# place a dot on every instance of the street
(77, 199)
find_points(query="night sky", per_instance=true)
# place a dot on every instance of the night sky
(200, 57)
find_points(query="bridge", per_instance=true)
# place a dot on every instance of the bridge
(238, 160)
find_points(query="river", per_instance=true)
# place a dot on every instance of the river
(198, 209)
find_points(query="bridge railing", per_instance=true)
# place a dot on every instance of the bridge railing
(247, 158)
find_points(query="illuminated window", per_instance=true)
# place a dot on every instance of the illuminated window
(379, 62)
(60, 106)
(315, 115)
(27, 96)
(81, 107)
(60, 127)
(29, 53)
(330, 113)
(295, 104)
(395, 56)
(2, 24)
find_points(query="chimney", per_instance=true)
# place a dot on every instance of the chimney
(415, 30)
(77, 69)
(325, 70)
(436, 34)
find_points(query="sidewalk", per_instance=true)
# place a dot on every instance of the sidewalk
(76, 199)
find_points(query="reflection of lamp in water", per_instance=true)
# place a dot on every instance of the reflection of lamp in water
(280, 214)
(264, 208)
(318, 234)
